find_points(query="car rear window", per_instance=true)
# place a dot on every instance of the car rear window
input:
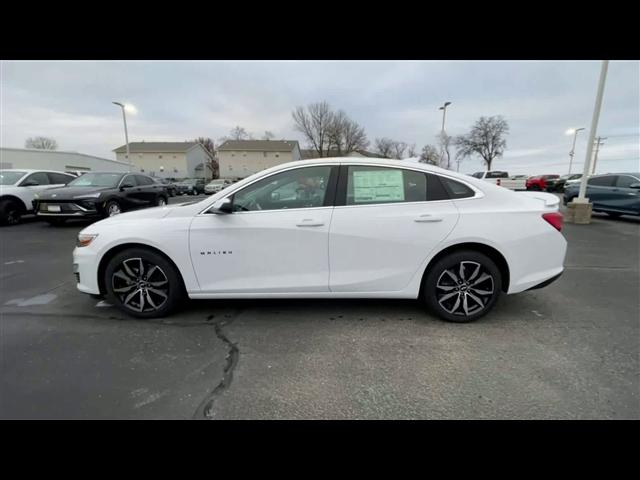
(605, 181)
(456, 189)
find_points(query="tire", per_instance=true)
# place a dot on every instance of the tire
(10, 212)
(534, 188)
(112, 208)
(161, 292)
(161, 201)
(446, 298)
(55, 222)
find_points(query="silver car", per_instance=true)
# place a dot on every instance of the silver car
(214, 186)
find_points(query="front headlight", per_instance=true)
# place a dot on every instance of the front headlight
(90, 195)
(85, 239)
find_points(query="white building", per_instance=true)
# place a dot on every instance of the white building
(168, 159)
(57, 160)
(241, 158)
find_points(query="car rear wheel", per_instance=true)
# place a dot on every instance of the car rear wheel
(462, 286)
(161, 202)
(10, 212)
(143, 283)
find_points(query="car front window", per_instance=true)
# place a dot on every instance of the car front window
(10, 178)
(96, 180)
(299, 188)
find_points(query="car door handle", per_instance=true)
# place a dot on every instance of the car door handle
(310, 222)
(427, 218)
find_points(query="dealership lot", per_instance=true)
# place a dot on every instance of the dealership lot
(568, 351)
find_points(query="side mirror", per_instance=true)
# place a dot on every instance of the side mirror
(635, 185)
(222, 207)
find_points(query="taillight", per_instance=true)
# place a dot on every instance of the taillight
(554, 219)
(498, 182)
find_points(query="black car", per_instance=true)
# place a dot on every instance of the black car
(99, 194)
(558, 185)
(190, 186)
(170, 187)
(613, 193)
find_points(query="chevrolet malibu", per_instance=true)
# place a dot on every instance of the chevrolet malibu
(336, 228)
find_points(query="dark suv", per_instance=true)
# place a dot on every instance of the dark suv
(613, 193)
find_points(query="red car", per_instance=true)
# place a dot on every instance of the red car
(542, 182)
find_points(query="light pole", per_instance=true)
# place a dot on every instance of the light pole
(573, 131)
(442, 133)
(580, 205)
(126, 135)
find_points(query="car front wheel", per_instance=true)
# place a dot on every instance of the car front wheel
(143, 283)
(10, 212)
(462, 286)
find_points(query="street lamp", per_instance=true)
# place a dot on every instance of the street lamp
(574, 132)
(132, 109)
(442, 134)
(444, 113)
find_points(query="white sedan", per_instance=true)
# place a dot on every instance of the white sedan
(330, 228)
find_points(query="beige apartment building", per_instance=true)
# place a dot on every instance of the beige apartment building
(168, 159)
(241, 158)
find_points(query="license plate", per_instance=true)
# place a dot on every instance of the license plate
(53, 208)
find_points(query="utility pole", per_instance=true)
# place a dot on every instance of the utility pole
(573, 131)
(599, 143)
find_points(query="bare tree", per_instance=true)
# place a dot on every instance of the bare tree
(430, 154)
(315, 124)
(411, 151)
(384, 146)
(398, 150)
(267, 135)
(390, 148)
(209, 146)
(239, 133)
(41, 143)
(444, 141)
(485, 139)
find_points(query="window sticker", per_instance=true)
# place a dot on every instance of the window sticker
(378, 186)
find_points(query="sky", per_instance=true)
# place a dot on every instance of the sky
(181, 100)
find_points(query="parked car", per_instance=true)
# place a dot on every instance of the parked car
(562, 181)
(190, 186)
(170, 187)
(575, 181)
(354, 228)
(613, 193)
(99, 194)
(18, 188)
(214, 186)
(501, 179)
(541, 182)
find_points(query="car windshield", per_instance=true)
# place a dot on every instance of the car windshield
(96, 180)
(9, 178)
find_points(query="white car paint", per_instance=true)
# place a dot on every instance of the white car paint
(354, 251)
(27, 194)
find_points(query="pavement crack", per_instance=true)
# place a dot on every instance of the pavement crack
(205, 409)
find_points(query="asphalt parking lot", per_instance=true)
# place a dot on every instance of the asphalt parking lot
(569, 351)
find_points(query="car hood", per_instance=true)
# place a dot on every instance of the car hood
(154, 213)
(69, 193)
